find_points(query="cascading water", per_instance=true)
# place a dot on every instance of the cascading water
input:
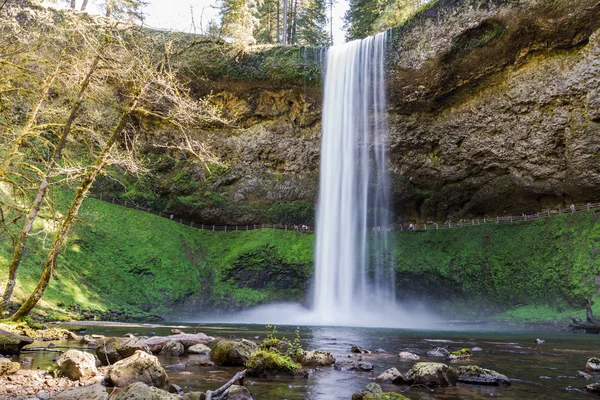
(351, 277)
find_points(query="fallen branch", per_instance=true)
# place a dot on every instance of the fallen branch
(217, 394)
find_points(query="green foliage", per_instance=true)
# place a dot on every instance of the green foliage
(273, 363)
(361, 16)
(461, 353)
(271, 342)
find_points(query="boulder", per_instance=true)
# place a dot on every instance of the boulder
(358, 349)
(271, 364)
(389, 376)
(176, 389)
(237, 392)
(584, 375)
(233, 353)
(76, 365)
(8, 367)
(89, 341)
(172, 349)
(370, 388)
(408, 356)
(199, 349)
(481, 376)
(593, 388)
(115, 349)
(11, 344)
(353, 365)
(194, 396)
(462, 354)
(316, 358)
(141, 391)
(438, 352)
(432, 374)
(593, 364)
(140, 367)
(92, 392)
(186, 339)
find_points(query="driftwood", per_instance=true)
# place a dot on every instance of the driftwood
(186, 339)
(220, 392)
(591, 325)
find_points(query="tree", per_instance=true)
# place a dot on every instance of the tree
(312, 24)
(361, 16)
(238, 21)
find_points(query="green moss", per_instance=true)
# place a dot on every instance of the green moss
(461, 353)
(265, 363)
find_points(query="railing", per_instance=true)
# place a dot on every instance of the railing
(463, 223)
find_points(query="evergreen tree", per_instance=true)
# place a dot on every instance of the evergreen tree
(238, 21)
(361, 16)
(312, 24)
(267, 28)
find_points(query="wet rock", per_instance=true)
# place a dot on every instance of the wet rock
(199, 349)
(8, 367)
(89, 341)
(76, 365)
(194, 396)
(540, 341)
(379, 350)
(271, 364)
(186, 339)
(389, 375)
(199, 362)
(593, 388)
(408, 356)
(438, 352)
(476, 349)
(371, 388)
(463, 354)
(173, 388)
(233, 353)
(593, 364)
(115, 349)
(432, 374)
(353, 365)
(358, 349)
(316, 358)
(141, 391)
(481, 376)
(584, 375)
(172, 349)
(237, 392)
(140, 367)
(26, 360)
(11, 344)
(176, 332)
(92, 392)
(73, 336)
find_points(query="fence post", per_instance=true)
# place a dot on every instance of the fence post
(548, 212)
(246, 227)
(202, 227)
(225, 228)
(497, 220)
(236, 228)
(213, 228)
(436, 227)
(425, 226)
(285, 227)
(192, 225)
(254, 226)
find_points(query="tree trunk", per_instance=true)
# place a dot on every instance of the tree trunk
(39, 198)
(284, 33)
(84, 5)
(80, 196)
(73, 4)
(278, 22)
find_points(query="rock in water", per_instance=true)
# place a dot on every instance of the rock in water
(232, 353)
(353, 365)
(373, 392)
(432, 374)
(389, 375)
(141, 391)
(481, 376)
(540, 341)
(76, 365)
(463, 354)
(172, 349)
(593, 364)
(93, 392)
(316, 358)
(140, 367)
(371, 388)
(408, 356)
(272, 364)
(115, 349)
(358, 349)
(11, 344)
(199, 349)
(438, 352)
(583, 375)
(237, 392)
(8, 367)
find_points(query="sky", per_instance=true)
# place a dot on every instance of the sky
(177, 15)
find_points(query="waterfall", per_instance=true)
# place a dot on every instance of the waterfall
(354, 268)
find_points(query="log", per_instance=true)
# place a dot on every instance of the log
(217, 394)
(186, 339)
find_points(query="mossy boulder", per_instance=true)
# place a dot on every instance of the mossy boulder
(593, 364)
(172, 349)
(141, 391)
(233, 353)
(432, 374)
(115, 349)
(272, 364)
(140, 367)
(11, 343)
(8, 367)
(477, 375)
(462, 354)
(237, 392)
(373, 391)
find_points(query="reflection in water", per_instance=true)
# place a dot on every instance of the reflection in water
(538, 371)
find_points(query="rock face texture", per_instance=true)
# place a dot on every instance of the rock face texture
(494, 108)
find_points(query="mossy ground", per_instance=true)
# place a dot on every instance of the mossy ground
(119, 260)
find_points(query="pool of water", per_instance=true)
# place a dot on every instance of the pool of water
(545, 371)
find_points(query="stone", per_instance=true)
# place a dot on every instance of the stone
(408, 356)
(194, 396)
(593, 364)
(176, 389)
(358, 349)
(140, 367)
(76, 365)
(8, 367)
(11, 343)
(476, 349)
(237, 392)
(92, 392)
(271, 364)
(584, 375)
(432, 374)
(389, 376)
(370, 388)
(463, 354)
(172, 349)
(199, 349)
(438, 352)
(353, 365)
(481, 376)
(141, 391)
(89, 341)
(199, 362)
(115, 349)
(593, 388)
(316, 358)
(540, 341)
(233, 353)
